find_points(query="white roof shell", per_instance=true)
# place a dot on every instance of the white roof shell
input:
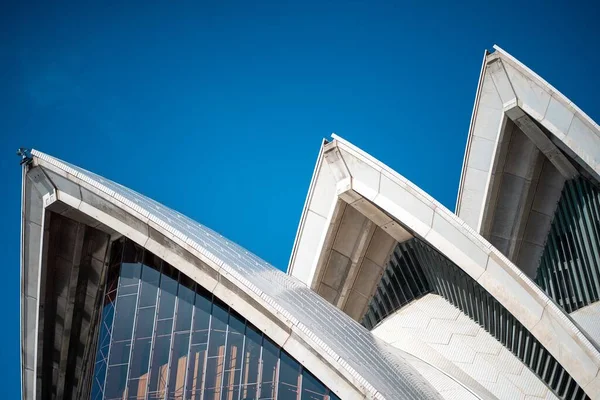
(346, 173)
(297, 319)
(508, 89)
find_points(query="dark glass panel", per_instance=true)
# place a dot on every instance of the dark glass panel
(179, 362)
(130, 274)
(251, 362)
(312, 388)
(132, 253)
(145, 322)
(140, 358)
(194, 343)
(249, 391)
(115, 382)
(201, 324)
(164, 327)
(168, 293)
(150, 281)
(185, 306)
(289, 374)
(233, 356)
(124, 316)
(119, 352)
(214, 372)
(194, 380)
(218, 328)
(270, 357)
(136, 388)
(159, 368)
(152, 261)
(116, 257)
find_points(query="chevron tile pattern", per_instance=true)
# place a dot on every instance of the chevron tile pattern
(456, 338)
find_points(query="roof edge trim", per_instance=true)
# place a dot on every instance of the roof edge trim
(311, 188)
(471, 127)
(508, 57)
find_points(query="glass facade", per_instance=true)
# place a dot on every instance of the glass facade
(162, 336)
(569, 269)
(415, 268)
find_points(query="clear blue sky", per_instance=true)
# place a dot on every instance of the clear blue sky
(218, 109)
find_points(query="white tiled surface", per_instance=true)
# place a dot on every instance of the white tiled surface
(383, 374)
(589, 319)
(446, 386)
(460, 340)
(477, 257)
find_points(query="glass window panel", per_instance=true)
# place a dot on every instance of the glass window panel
(194, 381)
(168, 292)
(203, 306)
(267, 391)
(136, 388)
(287, 392)
(164, 327)
(233, 356)
(185, 306)
(140, 358)
(289, 375)
(115, 381)
(124, 318)
(249, 391)
(130, 274)
(332, 396)
(312, 389)
(179, 358)
(152, 261)
(214, 371)
(160, 364)
(202, 309)
(119, 352)
(225, 358)
(200, 338)
(132, 253)
(231, 393)
(145, 323)
(116, 256)
(212, 394)
(150, 281)
(251, 356)
(218, 328)
(128, 290)
(270, 356)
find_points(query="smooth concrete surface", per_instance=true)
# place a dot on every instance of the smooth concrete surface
(352, 261)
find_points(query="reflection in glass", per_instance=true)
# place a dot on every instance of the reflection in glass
(162, 336)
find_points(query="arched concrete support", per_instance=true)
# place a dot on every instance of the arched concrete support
(360, 177)
(509, 90)
(297, 319)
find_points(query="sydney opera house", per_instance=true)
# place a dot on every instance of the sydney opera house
(387, 295)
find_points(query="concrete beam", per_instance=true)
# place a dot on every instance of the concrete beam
(543, 142)
(71, 295)
(356, 259)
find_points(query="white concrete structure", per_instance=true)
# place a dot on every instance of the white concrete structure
(525, 140)
(291, 315)
(346, 177)
(388, 295)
